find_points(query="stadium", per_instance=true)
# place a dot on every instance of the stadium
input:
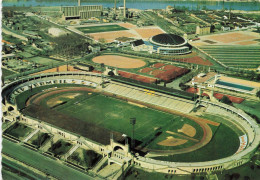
(93, 111)
(170, 44)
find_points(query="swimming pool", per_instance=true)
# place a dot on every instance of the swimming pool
(237, 86)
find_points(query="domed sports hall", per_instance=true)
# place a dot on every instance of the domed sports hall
(170, 44)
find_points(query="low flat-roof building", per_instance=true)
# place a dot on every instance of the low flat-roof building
(139, 45)
(213, 80)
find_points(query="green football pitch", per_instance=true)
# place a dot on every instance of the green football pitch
(115, 114)
(84, 109)
(96, 29)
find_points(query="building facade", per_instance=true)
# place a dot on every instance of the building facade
(201, 30)
(81, 12)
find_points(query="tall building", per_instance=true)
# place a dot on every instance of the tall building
(202, 30)
(81, 12)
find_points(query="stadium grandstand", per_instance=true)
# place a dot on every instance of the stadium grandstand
(115, 152)
(150, 97)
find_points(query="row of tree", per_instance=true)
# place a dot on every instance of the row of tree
(70, 45)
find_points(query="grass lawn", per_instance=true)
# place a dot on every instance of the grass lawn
(96, 29)
(224, 143)
(61, 147)
(251, 107)
(26, 54)
(43, 60)
(18, 130)
(135, 173)
(6, 72)
(39, 139)
(114, 114)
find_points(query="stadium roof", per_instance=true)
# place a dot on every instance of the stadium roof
(168, 39)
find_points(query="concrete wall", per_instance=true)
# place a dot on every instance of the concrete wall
(76, 139)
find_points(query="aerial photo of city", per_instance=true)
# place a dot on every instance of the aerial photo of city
(130, 90)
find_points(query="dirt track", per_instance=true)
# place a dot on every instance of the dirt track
(100, 134)
(119, 61)
(69, 123)
(207, 132)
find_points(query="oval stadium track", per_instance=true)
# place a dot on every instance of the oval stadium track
(160, 100)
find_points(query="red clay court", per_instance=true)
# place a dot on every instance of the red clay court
(158, 65)
(156, 72)
(219, 96)
(231, 98)
(146, 70)
(136, 77)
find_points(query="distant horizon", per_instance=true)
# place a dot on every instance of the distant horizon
(140, 4)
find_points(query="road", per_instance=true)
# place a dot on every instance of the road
(6, 31)
(53, 167)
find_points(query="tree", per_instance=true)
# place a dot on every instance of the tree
(226, 100)
(252, 75)
(90, 158)
(111, 73)
(227, 177)
(102, 40)
(258, 94)
(246, 178)
(235, 176)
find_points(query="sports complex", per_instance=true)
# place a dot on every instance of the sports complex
(175, 132)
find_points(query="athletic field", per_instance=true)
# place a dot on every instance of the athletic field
(43, 60)
(105, 28)
(114, 114)
(89, 113)
(235, 56)
(110, 32)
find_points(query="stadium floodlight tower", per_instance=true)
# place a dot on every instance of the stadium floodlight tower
(124, 9)
(132, 122)
(102, 73)
(115, 7)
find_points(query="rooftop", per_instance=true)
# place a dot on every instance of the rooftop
(168, 39)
